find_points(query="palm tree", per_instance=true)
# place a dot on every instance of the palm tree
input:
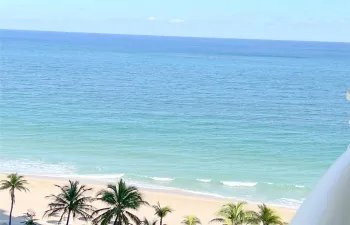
(120, 200)
(29, 220)
(148, 222)
(13, 182)
(233, 214)
(161, 212)
(191, 220)
(268, 216)
(70, 201)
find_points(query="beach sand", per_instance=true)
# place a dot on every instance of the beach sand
(183, 205)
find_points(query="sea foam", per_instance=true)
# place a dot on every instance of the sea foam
(238, 184)
(162, 179)
(36, 168)
(204, 180)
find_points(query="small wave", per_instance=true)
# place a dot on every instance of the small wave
(239, 184)
(101, 176)
(290, 203)
(177, 190)
(162, 179)
(285, 202)
(204, 180)
(282, 186)
(36, 168)
(202, 193)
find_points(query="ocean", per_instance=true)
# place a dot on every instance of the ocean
(252, 120)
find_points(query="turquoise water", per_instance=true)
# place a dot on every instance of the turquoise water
(245, 119)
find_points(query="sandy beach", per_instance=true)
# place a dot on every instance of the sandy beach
(204, 208)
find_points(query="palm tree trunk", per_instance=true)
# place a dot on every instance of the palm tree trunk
(161, 221)
(12, 203)
(68, 217)
(116, 221)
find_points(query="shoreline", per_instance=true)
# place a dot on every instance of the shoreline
(150, 188)
(184, 203)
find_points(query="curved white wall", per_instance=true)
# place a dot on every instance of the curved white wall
(329, 202)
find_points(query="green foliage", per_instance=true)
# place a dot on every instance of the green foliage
(191, 220)
(148, 222)
(13, 182)
(268, 216)
(29, 220)
(119, 200)
(234, 214)
(161, 212)
(70, 201)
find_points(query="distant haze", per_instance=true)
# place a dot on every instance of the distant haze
(312, 20)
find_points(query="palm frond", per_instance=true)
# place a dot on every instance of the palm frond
(133, 217)
(71, 201)
(63, 214)
(4, 184)
(119, 198)
(267, 215)
(14, 182)
(145, 221)
(191, 220)
(123, 220)
(232, 214)
(53, 212)
(162, 211)
(217, 220)
(106, 197)
(105, 218)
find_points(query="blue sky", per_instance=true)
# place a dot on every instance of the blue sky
(318, 20)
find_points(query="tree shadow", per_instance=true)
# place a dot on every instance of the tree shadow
(4, 218)
(52, 221)
(16, 220)
(83, 219)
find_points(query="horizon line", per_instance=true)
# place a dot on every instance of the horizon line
(154, 35)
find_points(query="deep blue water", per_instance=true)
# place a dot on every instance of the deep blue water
(252, 119)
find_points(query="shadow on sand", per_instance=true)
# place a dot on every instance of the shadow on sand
(17, 220)
(52, 222)
(4, 218)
